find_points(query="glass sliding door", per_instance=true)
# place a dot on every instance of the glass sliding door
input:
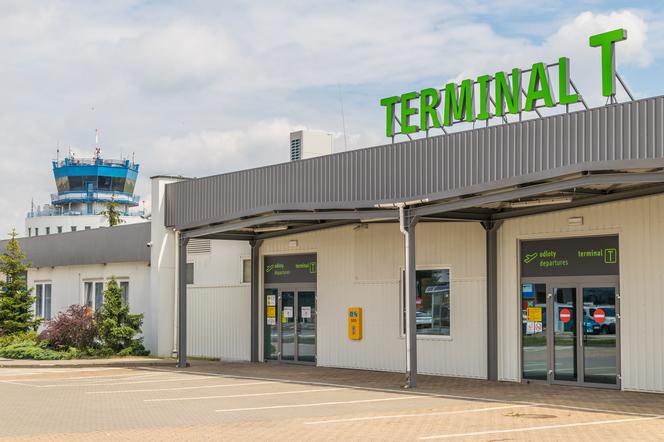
(306, 326)
(287, 326)
(271, 328)
(564, 334)
(600, 350)
(534, 331)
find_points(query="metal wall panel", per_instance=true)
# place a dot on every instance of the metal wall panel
(128, 243)
(624, 135)
(218, 323)
(640, 226)
(371, 260)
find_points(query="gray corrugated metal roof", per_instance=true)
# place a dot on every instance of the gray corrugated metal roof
(126, 243)
(621, 136)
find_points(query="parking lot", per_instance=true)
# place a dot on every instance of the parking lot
(216, 401)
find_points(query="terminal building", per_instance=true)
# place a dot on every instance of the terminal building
(528, 251)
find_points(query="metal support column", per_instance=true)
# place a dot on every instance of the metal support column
(255, 296)
(182, 302)
(491, 228)
(407, 225)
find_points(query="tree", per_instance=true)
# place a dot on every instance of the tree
(16, 298)
(112, 214)
(117, 327)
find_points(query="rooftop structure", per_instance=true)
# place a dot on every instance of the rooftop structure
(85, 186)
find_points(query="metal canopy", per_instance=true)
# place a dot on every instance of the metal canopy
(618, 138)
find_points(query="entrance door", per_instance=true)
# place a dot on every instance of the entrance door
(600, 335)
(290, 325)
(570, 332)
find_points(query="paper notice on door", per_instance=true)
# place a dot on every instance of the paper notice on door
(271, 312)
(272, 300)
(530, 328)
(534, 314)
(271, 321)
(538, 327)
(306, 312)
(288, 312)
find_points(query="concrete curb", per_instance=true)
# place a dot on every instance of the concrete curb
(78, 363)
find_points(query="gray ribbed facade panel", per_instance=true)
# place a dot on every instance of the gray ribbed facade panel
(128, 243)
(625, 135)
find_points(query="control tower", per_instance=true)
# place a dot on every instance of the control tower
(85, 186)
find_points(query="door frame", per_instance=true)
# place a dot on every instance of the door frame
(295, 288)
(578, 283)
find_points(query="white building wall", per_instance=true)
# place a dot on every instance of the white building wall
(640, 225)
(67, 283)
(362, 267)
(219, 308)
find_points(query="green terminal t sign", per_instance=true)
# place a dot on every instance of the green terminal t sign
(419, 111)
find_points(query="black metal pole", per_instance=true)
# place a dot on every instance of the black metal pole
(255, 296)
(182, 302)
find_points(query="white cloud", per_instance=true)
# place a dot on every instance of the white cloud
(217, 86)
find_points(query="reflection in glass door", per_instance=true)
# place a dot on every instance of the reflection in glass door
(600, 351)
(564, 334)
(287, 326)
(306, 326)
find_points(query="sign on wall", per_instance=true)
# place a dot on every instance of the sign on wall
(290, 269)
(592, 255)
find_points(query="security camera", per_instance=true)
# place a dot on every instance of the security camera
(149, 244)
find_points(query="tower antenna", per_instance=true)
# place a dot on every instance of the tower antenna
(97, 147)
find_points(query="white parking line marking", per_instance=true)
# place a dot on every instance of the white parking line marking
(275, 393)
(17, 383)
(401, 416)
(361, 401)
(423, 394)
(87, 384)
(543, 427)
(178, 388)
(97, 379)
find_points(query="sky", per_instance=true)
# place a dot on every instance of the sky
(202, 87)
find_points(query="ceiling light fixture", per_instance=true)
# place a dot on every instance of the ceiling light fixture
(540, 202)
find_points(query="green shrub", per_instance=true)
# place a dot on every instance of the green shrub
(17, 337)
(32, 350)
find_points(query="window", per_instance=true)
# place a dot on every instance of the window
(73, 228)
(246, 270)
(43, 301)
(88, 208)
(432, 302)
(94, 294)
(124, 285)
(118, 184)
(29, 231)
(48, 230)
(59, 229)
(104, 183)
(36, 231)
(190, 273)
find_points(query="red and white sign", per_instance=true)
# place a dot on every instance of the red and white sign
(599, 316)
(565, 315)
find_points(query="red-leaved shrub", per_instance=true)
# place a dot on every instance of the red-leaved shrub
(73, 328)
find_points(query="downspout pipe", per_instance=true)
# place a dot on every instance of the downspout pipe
(407, 229)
